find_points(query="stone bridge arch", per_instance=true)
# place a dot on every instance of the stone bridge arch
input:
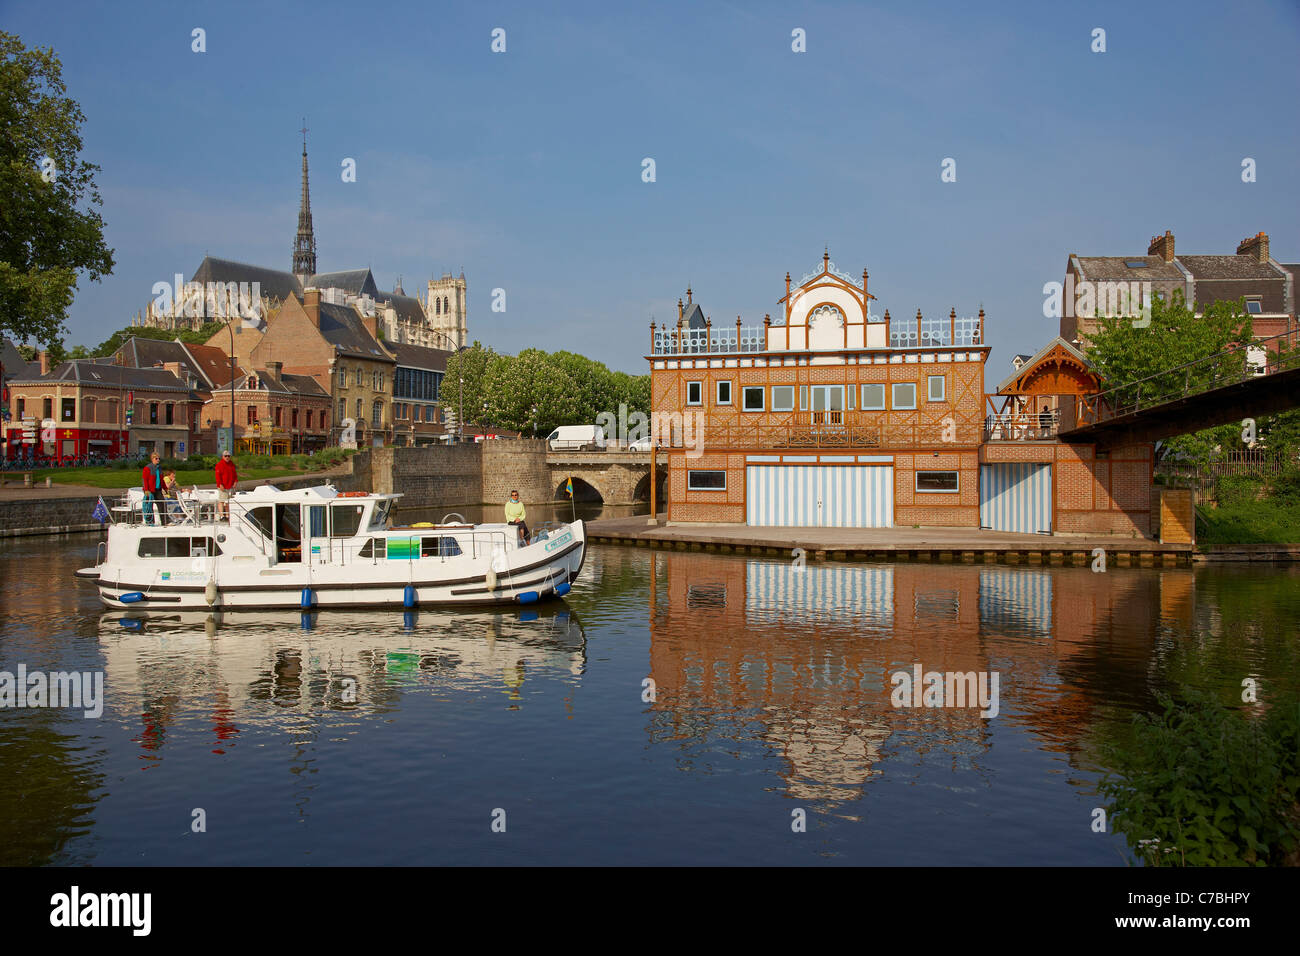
(617, 479)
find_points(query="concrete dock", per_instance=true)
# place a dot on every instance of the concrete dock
(968, 545)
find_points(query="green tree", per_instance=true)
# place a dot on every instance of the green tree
(46, 238)
(531, 380)
(1152, 362)
(472, 365)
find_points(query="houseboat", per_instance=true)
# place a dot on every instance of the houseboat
(321, 548)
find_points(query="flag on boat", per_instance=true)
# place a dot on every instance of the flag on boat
(568, 488)
(100, 513)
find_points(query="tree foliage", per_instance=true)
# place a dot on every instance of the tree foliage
(537, 389)
(46, 237)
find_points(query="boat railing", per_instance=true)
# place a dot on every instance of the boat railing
(472, 543)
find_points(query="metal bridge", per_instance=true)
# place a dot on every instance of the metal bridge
(1221, 388)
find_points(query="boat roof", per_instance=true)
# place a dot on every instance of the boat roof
(319, 492)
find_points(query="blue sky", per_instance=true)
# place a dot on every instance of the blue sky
(524, 167)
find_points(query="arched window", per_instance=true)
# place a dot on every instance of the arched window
(446, 306)
(376, 414)
(437, 306)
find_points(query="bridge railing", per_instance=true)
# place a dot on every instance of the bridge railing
(1241, 363)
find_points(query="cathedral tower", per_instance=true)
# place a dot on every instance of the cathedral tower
(445, 311)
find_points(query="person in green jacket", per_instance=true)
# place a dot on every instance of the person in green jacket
(515, 515)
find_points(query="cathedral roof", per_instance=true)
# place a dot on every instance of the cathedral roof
(351, 281)
(273, 282)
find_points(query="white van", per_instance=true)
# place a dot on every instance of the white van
(576, 438)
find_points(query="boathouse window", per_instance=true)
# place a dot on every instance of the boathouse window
(441, 547)
(752, 398)
(873, 398)
(706, 480)
(694, 393)
(904, 395)
(782, 398)
(724, 393)
(937, 387)
(937, 481)
(345, 520)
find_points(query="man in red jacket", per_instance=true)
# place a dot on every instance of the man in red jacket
(226, 478)
(151, 479)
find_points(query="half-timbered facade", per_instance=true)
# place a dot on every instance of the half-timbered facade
(830, 414)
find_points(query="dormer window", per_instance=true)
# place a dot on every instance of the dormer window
(1254, 306)
(1135, 263)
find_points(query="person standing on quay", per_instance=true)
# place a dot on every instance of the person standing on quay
(152, 481)
(226, 478)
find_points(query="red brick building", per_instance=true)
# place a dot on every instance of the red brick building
(275, 413)
(831, 415)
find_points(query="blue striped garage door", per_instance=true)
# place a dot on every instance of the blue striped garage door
(1016, 497)
(820, 496)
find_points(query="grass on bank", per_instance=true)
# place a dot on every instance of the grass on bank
(195, 470)
(1250, 511)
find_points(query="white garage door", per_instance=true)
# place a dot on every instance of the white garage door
(820, 496)
(1016, 497)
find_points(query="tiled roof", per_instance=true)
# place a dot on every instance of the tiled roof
(213, 363)
(1228, 267)
(342, 327)
(1116, 267)
(272, 282)
(14, 362)
(303, 385)
(89, 372)
(418, 356)
(694, 316)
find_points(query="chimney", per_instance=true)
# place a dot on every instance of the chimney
(274, 368)
(311, 304)
(1256, 247)
(1162, 246)
(371, 322)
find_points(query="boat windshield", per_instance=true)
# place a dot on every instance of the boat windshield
(379, 518)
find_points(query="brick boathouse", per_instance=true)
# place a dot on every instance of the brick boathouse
(834, 416)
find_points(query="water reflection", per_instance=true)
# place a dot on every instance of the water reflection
(247, 666)
(336, 737)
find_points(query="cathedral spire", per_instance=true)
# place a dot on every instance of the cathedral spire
(304, 244)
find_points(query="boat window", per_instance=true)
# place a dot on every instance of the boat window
(379, 518)
(261, 519)
(345, 520)
(316, 520)
(372, 547)
(177, 547)
(441, 547)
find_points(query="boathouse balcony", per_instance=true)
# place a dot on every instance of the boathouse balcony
(879, 333)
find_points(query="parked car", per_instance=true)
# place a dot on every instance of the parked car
(576, 438)
(641, 444)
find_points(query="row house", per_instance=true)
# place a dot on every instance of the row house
(338, 346)
(275, 413)
(86, 407)
(1108, 286)
(834, 415)
(417, 385)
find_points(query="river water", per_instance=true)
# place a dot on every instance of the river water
(675, 708)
